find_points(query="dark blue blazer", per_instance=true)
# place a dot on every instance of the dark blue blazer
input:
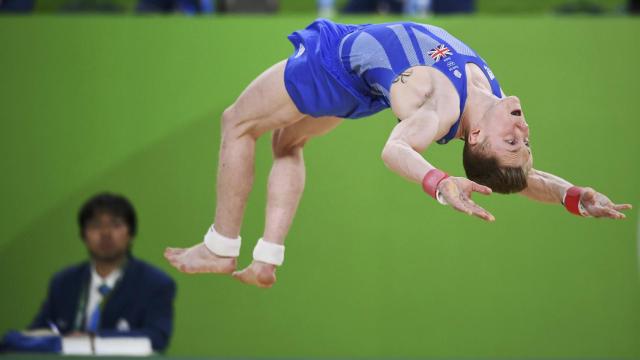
(142, 299)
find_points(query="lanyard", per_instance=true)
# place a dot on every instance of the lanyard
(79, 321)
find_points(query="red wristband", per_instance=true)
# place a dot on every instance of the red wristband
(431, 180)
(572, 200)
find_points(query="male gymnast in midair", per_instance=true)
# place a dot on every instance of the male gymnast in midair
(437, 87)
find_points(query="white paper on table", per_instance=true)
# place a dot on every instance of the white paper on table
(131, 346)
(76, 345)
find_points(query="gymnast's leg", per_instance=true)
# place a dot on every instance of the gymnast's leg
(286, 183)
(264, 105)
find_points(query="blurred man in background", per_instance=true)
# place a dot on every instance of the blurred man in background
(112, 294)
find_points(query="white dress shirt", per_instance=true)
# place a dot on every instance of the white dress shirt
(94, 295)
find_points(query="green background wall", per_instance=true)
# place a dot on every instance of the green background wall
(374, 267)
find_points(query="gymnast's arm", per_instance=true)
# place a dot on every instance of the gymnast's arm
(401, 154)
(549, 188)
(545, 187)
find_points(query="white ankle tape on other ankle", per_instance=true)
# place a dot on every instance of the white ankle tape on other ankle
(221, 245)
(269, 252)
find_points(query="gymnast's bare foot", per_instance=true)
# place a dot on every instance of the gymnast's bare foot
(198, 259)
(258, 273)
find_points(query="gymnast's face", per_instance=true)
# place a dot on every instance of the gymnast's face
(107, 237)
(506, 132)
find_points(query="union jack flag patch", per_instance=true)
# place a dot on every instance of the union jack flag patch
(439, 52)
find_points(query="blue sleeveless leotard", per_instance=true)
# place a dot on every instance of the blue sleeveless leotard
(347, 70)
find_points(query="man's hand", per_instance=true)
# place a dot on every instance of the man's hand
(598, 205)
(456, 191)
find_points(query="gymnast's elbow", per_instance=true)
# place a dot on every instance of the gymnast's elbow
(390, 153)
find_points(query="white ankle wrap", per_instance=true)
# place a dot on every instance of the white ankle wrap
(221, 245)
(269, 252)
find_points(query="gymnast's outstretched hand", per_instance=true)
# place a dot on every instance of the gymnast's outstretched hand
(598, 205)
(456, 192)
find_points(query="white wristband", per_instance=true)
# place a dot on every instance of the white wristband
(221, 245)
(269, 252)
(440, 198)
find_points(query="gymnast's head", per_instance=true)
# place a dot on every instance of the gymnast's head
(496, 151)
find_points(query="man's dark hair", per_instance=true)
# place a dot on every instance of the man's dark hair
(485, 169)
(112, 204)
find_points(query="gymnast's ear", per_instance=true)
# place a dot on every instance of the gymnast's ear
(473, 137)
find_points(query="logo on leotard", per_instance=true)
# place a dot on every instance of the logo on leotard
(300, 51)
(491, 76)
(439, 52)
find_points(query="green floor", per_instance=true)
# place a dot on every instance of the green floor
(374, 267)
